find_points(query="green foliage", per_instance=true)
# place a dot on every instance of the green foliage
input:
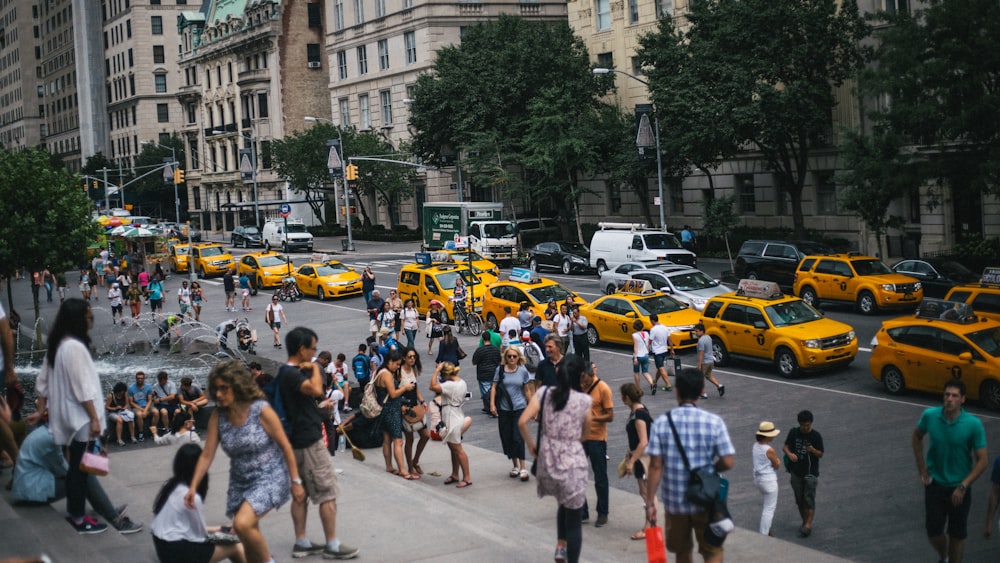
(977, 252)
(720, 217)
(152, 193)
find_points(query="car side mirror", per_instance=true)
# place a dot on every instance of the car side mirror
(965, 357)
(350, 269)
(667, 289)
(630, 315)
(760, 325)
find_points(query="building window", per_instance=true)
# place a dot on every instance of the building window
(338, 15)
(664, 8)
(359, 12)
(345, 112)
(407, 4)
(192, 113)
(893, 6)
(315, 14)
(366, 116)
(128, 28)
(633, 11)
(385, 98)
(603, 12)
(312, 52)
(410, 42)
(826, 193)
(158, 56)
(383, 54)
(614, 197)
(193, 154)
(362, 59)
(675, 187)
(379, 8)
(156, 23)
(342, 64)
(636, 66)
(162, 113)
(746, 193)
(606, 60)
(161, 83)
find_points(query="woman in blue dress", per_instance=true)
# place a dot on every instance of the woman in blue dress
(262, 470)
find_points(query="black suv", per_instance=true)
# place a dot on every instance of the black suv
(775, 260)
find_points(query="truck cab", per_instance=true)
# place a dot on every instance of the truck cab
(496, 240)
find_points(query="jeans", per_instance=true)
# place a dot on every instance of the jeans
(768, 488)
(76, 481)
(48, 291)
(411, 337)
(484, 393)
(597, 451)
(569, 528)
(581, 346)
(96, 496)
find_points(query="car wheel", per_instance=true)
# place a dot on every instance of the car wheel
(533, 264)
(267, 245)
(786, 363)
(601, 267)
(592, 338)
(989, 394)
(720, 352)
(260, 283)
(892, 380)
(445, 319)
(284, 247)
(751, 275)
(246, 243)
(232, 242)
(491, 322)
(566, 268)
(867, 304)
(808, 295)
(610, 289)
(319, 294)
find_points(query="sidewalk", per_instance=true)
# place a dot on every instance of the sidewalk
(498, 519)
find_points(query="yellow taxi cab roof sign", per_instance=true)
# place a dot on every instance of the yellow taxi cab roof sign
(940, 309)
(759, 289)
(637, 287)
(991, 276)
(441, 257)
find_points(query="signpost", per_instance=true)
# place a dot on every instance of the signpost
(285, 210)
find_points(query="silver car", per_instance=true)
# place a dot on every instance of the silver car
(686, 284)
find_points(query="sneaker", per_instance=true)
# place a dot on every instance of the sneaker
(88, 526)
(560, 554)
(347, 409)
(142, 436)
(134, 440)
(121, 510)
(343, 552)
(602, 520)
(652, 389)
(302, 551)
(126, 526)
(121, 443)
(722, 390)
(666, 388)
(704, 395)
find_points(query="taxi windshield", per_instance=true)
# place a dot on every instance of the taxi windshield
(447, 279)
(550, 292)
(331, 270)
(658, 305)
(791, 313)
(271, 260)
(691, 281)
(988, 340)
(181, 250)
(212, 251)
(870, 267)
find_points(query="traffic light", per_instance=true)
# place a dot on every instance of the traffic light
(95, 185)
(352, 172)
(178, 176)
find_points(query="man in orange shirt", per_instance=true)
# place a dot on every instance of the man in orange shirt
(595, 438)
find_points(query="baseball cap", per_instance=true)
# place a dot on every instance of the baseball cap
(525, 335)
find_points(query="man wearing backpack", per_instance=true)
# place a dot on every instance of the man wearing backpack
(362, 367)
(532, 353)
(300, 384)
(486, 358)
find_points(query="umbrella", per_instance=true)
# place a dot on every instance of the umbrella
(434, 302)
(133, 232)
(103, 220)
(115, 221)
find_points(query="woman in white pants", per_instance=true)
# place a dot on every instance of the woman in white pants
(765, 473)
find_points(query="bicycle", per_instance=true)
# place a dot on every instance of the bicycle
(470, 319)
(289, 290)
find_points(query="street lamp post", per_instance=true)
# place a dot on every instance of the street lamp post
(347, 189)
(173, 159)
(253, 172)
(659, 155)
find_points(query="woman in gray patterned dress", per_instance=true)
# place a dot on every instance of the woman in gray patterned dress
(262, 466)
(561, 462)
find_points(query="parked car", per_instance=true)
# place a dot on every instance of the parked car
(568, 257)
(936, 275)
(774, 260)
(688, 285)
(246, 236)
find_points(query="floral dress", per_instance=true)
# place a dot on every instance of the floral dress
(562, 463)
(257, 470)
(392, 412)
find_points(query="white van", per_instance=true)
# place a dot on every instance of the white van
(297, 237)
(617, 243)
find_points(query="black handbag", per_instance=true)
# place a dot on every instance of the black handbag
(703, 484)
(538, 437)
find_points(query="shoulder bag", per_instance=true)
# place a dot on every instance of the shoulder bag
(538, 436)
(703, 484)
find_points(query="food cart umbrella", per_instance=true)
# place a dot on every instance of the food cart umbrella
(134, 232)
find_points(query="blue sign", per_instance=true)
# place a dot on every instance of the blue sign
(521, 275)
(422, 258)
(285, 210)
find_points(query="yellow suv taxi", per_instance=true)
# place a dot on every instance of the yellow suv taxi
(758, 322)
(426, 282)
(327, 279)
(853, 278)
(610, 317)
(944, 340)
(523, 285)
(179, 262)
(210, 259)
(983, 296)
(265, 268)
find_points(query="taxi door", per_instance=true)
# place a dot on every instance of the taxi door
(925, 366)
(308, 280)
(736, 334)
(835, 280)
(761, 338)
(610, 321)
(972, 371)
(429, 289)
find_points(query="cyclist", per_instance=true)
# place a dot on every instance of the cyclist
(459, 299)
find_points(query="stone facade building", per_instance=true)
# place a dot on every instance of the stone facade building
(22, 117)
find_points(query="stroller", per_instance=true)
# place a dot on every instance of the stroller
(246, 336)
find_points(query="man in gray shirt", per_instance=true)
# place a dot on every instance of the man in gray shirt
(706, 359)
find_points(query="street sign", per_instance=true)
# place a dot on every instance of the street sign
(246, 167)
(285, 210)
(334, 163)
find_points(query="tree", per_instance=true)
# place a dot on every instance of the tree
(47, 220)
(765, 73)
(153, 192)
(92, 168)
(939, 69)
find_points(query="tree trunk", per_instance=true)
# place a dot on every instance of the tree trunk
(316, 205)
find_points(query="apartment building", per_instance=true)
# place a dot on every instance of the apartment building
(376, 49)
(22, 122)
(250, 72)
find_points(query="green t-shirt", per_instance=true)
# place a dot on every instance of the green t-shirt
(950, 456)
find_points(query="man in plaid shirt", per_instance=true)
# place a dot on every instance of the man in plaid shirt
(706, 443)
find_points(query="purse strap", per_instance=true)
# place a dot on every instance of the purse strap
(541, 419)
(677, 438)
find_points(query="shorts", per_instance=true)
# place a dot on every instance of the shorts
(275, 325)
(156, 304)
(641, 365)
(246, 292)
(185, 308)
(125, 415)
(805, 490)
(171, 409)
(659, 360)
(938, 508)
(316, 471)
(373, 325)
(116, 309)
(230, 294)
(706, 369)
(679, 531)
(183, 551)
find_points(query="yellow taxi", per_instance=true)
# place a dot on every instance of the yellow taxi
(265, 268)
(424, 282)
(610, 317)
(984, 296)
(327, 279)
(179, 258)
(943, 341)
(210, 259)
(854, 278)
(484, 269)
(523, 285)
(758, 322)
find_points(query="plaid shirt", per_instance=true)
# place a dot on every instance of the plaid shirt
(705, 439)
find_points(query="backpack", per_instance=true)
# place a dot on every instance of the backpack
(362, 367)
(531, 357)
(273, 393)
(370, 407)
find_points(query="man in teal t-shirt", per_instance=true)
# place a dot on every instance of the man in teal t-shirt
(956, 457)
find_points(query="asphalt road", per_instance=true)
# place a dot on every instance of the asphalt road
(869, 503)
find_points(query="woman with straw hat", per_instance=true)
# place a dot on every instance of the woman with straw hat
(765, 472)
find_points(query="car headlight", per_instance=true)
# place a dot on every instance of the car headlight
(917, 286)
(851, 336)
(698, 302)
(812, 343)
(888, 287)
(576, 259)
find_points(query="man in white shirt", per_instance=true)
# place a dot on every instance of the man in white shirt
(184, 299)
(115, 299)
(561, 322)
(659, 346)
(509, 323)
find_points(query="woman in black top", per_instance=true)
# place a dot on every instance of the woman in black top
(638, 428)
(435, 326)
(448, 349)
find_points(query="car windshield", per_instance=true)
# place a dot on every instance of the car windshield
(331, 269)
(212, 251)
(463, 256)
(658, 305)
(181, 249)
(870, 267)
(498, 230)
(988, 340)
(297, 228)
(691, 281)
(574, 247)
(791, 313)
(447, 279)
(271, 260)
(661, 241)
(953, 269)
(250, 231)
(549, 292)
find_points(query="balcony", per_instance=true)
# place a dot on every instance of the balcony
(255, 76)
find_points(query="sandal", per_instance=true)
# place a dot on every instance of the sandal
(463, 484)
(514, 473)
(638, 535)
(409, 476)
(417, 469)
(391, 470)
(524, 475)
(451, 479)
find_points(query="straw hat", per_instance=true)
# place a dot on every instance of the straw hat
(767, 428)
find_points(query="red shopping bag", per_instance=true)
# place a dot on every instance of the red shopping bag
(656, 547)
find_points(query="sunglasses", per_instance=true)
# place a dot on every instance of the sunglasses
(515, 356)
